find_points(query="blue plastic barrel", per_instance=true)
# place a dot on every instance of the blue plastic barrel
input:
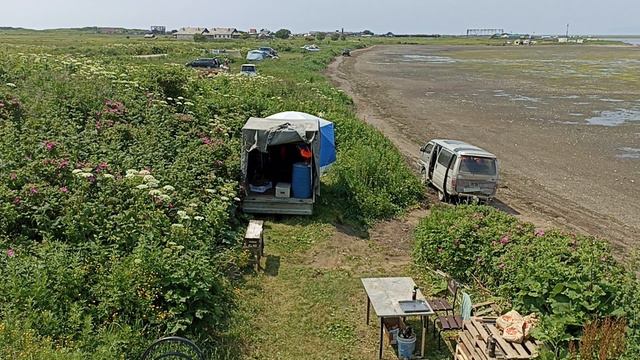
(301, 181)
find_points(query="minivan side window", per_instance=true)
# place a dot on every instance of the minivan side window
(428, 148)
(444, 158)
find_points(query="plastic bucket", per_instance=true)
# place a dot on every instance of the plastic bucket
(406, 347)
(394, 336)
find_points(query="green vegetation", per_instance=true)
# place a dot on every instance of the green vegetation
(283, 34)
(119, 192)
(568, 279)
(119, 196)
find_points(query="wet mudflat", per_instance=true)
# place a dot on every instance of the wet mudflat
(564, 121)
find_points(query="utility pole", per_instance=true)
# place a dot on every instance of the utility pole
(567, 31)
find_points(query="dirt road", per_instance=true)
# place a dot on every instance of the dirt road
(564, 121)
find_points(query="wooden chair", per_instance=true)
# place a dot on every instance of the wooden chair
(254, 241)
(467, 309)
(440, 305)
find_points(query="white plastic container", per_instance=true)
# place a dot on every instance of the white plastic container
(283, 190)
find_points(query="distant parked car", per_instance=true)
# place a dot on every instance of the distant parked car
(206, 63)
(248, 69)
(311, 48)
(346, 52)
(269, 51)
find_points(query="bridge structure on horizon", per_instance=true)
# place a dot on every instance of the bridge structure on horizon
(484, 32)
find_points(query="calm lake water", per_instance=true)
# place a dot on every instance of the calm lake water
(632, 41)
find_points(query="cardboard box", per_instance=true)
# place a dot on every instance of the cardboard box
(283, 190)
(391, 328)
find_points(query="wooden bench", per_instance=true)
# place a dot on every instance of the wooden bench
(254, 241)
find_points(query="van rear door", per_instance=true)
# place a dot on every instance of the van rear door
(477, 175)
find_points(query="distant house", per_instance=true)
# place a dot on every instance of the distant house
(188, 33)
(216, 33)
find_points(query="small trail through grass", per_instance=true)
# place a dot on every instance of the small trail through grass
(308, 303)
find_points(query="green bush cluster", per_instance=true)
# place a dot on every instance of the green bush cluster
(373, 177)
(568, 279)
(116, 204)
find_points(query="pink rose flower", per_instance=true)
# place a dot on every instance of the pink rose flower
(11, 253)
(64, 190)
(539, 232)
(50, 145)
(505, 240)
(63, 164)
(102, 166)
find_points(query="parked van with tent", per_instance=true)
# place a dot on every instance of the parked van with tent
(283, 157)
(261, 54)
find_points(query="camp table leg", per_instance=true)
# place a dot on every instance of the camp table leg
(424, 333)
(381, 336)
(368, 308)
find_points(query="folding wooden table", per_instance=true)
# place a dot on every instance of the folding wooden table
(385, 294)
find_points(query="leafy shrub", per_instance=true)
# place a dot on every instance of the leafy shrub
(374, 181)
(569, 279)
(117, 209)
(20, 342)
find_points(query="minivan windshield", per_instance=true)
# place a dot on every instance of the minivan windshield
(477, 165)
(248, 69)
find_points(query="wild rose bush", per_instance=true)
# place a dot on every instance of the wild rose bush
(568, 279)
(117, 221)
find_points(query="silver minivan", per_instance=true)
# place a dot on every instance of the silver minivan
(458, 170)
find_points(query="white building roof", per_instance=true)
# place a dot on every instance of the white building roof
(222, 31)
(191, 31)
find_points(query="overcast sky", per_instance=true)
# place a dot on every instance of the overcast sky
(398, 16)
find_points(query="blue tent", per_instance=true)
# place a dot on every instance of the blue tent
(327, 135)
